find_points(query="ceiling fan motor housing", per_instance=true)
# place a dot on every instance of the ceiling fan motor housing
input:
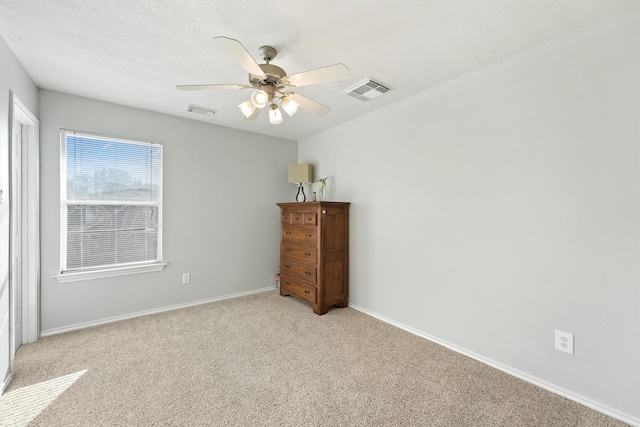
(274, 78)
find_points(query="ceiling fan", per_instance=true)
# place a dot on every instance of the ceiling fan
(270, 82)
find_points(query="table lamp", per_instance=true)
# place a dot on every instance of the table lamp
(300, 173)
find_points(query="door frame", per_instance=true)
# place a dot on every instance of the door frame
(30, 239)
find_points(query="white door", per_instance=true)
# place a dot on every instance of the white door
(15, 251)
(5, 337)
(19, 237)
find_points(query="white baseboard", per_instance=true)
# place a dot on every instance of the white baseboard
(147, 312)
(508, 370)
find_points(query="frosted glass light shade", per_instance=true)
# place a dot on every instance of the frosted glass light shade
(247, 108)
(289, 105)
(300, 173)
(275, 116)
(259, 98)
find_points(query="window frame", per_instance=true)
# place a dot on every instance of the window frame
(114, 270)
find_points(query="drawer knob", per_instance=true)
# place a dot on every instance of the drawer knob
(288, 233)
(308, 235)
(306, 272)
(287, 266)
(288, 250)
(307, 292)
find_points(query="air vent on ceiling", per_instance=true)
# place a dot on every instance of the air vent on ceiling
(366, 90)
(200, 110)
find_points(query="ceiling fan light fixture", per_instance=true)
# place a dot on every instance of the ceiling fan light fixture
(260, 98)
(247, 108)
(289, 105)
(268, 82)
(275, 116)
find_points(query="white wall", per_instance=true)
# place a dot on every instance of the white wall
(13, 78)
(221, 223)
(504, 204)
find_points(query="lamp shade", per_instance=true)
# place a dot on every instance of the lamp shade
(289, 105)
(300, 173)
(259, 98)
(247, 108)
(275, 116)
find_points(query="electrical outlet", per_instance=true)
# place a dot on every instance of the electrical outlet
(186, 278)
(564, 342)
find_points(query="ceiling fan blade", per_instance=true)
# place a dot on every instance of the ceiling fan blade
(308, 104)
(328, 74)
(240, 54)
(208, 87)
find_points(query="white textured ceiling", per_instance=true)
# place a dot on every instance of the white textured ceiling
(134, 52)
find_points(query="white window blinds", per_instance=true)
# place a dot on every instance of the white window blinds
(111, 192)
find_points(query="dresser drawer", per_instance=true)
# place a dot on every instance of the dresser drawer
(309, 219)
(300, 290)
(299, 235)
(303, 254)
(295, 218)
(303, 272)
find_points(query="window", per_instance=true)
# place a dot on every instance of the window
(111, 205)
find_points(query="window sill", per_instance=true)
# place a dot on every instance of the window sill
(112, 272)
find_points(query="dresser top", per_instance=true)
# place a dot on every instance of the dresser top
(318, 203)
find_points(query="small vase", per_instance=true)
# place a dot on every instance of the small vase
(322, 194)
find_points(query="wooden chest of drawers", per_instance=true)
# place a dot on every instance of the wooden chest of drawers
(314, 253)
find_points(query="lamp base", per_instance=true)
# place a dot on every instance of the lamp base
(300, 196)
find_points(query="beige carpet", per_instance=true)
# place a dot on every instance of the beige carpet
(265, 360)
